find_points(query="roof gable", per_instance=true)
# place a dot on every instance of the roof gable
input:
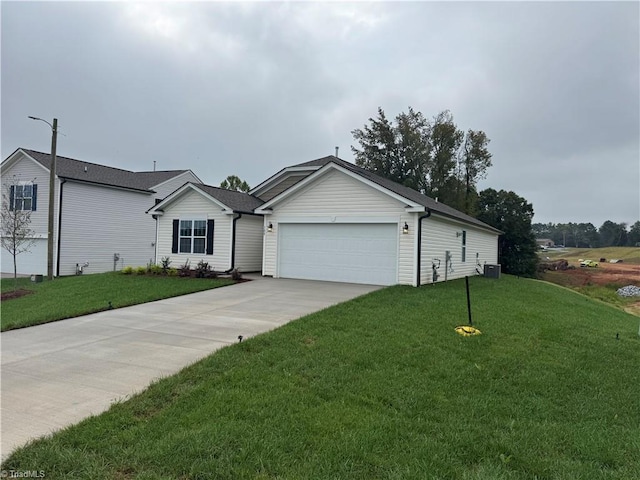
(272, 182)
(229, 200)
(396, 190)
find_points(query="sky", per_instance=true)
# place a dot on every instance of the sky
(247, 89)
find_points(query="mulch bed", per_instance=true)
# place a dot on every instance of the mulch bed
(21, 292)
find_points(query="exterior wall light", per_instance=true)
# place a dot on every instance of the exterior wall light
(270, 227)
(405, 229)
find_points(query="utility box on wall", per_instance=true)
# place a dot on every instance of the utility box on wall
(491, 271)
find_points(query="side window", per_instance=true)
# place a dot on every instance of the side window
(23, 196)
(464, 245)
(190, 236)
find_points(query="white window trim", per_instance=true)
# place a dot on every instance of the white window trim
(192, 237)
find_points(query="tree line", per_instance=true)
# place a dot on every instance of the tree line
(436, 158)
(433, 156)
(586, 235)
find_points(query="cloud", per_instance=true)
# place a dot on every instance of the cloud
(247, 88)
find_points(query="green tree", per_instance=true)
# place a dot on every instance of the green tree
(613, 234)
(233, 182)
(475, 161)
(633, 238)
(512, 214)
(433, 157)
(397, 152)
(445, 141)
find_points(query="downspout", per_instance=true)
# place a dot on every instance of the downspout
(426, 215)
(64, 180)
(233, 243)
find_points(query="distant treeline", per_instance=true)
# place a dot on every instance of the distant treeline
(581, 235)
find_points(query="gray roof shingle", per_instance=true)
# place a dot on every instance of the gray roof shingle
(101, 174)
(406, 192)
(240, 202)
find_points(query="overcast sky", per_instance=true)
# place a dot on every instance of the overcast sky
(249, 88)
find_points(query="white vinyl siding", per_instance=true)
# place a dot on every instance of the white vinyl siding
(98, 222)
(27, 263)
(439, 235)
(164, 189)
(249, 236)
(336, 197)
(193, 205)
(26, 170)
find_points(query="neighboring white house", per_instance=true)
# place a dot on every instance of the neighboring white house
(330, 220)
(204, 223)
(99, 212)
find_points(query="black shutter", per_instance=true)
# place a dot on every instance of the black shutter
(12, 193)
(174, 244)
(209, 237)
(34, 197)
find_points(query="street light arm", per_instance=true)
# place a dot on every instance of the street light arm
(42, 120)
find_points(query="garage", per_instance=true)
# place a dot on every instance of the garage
(339, 252)
(29, 263)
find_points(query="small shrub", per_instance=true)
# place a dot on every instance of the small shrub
(141, 271)
(203, 269)
(128, 270)
(155, 270)
(165, 262)
(185, 269)
(172, 272)
(236, 275)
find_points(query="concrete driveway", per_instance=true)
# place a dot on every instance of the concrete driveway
(56, 374)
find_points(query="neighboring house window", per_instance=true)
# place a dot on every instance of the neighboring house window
(464, 245)
(23, 197)
(193, 236)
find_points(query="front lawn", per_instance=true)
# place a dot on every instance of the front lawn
(383, 388)
(67, 297)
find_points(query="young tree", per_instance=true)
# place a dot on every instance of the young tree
(512, 214)
(233, 182)
(16, 236)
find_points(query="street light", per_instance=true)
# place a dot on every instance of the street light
(52, 184)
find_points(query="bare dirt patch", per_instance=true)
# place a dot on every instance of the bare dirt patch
(21, 292)
(605, 274)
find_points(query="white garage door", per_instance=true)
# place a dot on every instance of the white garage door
(34, 261)
(353, 253)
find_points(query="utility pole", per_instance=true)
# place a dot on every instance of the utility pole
(52, 186)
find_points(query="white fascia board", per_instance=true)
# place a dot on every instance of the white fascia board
(263, 211)
(328, 167)
(413, 209)
(16, 156)
(275, 179)
(178, 193)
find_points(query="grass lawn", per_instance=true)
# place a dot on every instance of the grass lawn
(383, 388)
(67, 297)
